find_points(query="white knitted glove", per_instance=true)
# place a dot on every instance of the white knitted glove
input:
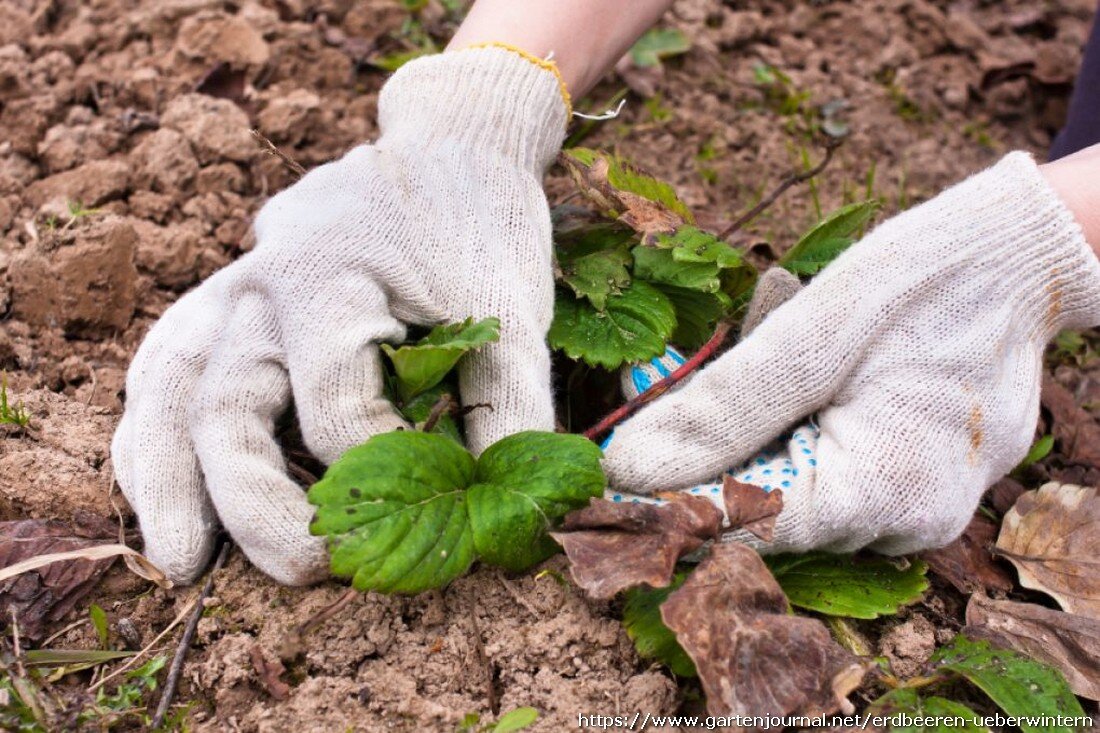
(442, 218)
(920, 349)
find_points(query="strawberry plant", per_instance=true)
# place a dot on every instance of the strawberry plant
(409, 511)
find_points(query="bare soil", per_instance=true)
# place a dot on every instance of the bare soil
(140, 110)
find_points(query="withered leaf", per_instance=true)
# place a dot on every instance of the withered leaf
(1067, 641)
(1003, 494)
(967, 563)
(270, 672)
(613, 546)
(624, 191)
(753, 658)
(751, 508)
(1074, 429)
(44, 595)
(1052, 536)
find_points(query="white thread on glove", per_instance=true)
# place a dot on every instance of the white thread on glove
(443, 218)
(920, 349)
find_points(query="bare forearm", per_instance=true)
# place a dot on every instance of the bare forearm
(586, 37)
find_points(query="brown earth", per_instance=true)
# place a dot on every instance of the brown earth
(140, 112)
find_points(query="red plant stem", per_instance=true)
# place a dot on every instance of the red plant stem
(631, 406)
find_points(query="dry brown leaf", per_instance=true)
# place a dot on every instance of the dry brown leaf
(752, 508)
(613, 546)
(967, 563)
(754, 658)
(641, 214)
(1003, 494)
(1077, 433)
(269, 672)
(42, 592)
(1052, 536)
(1069, 642)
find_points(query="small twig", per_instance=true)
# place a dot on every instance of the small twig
(689, 366)
(483, 658)
(301, 473)
(443, 405)
(292, 165)
(16, 650)
(327, 612)
(791, 180)
(513, 591)
(174, 671)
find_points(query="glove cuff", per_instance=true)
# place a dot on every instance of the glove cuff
(1026, 235)
(494, 99)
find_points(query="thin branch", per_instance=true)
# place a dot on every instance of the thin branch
(689, 366)
(174, 671)
(292, 165)
(482, 657)
(442, 406)
(791, 180)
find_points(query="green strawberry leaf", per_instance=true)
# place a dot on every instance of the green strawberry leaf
(689, 244)
(657, 44)
(842, 585)
(598, 275)
(394, 510)
(828, 238)
(659, 266)
(408, 511)
(423, 365)
(643, 624)
(697, 314)
(635, 326)
(906, 701)
(514, 720)
(523, 483)
(1019, 685)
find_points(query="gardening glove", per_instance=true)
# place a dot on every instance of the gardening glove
(920, 351)
(443, 218)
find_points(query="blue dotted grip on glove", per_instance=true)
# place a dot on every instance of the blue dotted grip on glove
(788, 461)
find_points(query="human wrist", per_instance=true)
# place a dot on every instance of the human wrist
(1076, 180)
(1038, 247)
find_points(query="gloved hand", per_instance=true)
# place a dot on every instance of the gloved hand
(920, 349)
(442, 218)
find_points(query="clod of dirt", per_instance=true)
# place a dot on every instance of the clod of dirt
(909, 645)
(216, 128)
(216, 36)
(91, 184)
(82, 280)
(59, 468)
(163, 162)
(383, 659)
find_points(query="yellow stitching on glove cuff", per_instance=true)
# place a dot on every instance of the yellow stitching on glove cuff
(541, 63)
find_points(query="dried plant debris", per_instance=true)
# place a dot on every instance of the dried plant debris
(1077, 434)
(751, 508)
(1052, 536)
(613, 546)
(967, 563)
(1066, 641)
(752, 656)
(45, 594)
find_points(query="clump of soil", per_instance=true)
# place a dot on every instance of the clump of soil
(128, 175)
